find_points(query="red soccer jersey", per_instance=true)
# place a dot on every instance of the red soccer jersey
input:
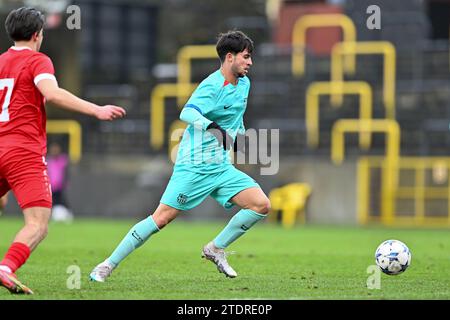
(22, 111)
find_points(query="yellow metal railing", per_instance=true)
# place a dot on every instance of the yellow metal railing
(315, 21)
(187, 54)
(157, 103)
(367, 47)
(418, 193)
(316, 89)
(184, 60)
(390, 162)
(71, 128)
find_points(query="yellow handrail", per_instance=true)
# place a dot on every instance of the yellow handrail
(314, 21)
(158, 95)
(188, 53)
(390, 163)
(418, 192)
(73, 129)
(350, 87)
(367, 47)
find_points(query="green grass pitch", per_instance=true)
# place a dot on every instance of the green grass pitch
(306, 262)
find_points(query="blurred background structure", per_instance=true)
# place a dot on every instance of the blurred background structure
(393, 82)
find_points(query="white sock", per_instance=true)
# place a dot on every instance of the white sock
(5, 268)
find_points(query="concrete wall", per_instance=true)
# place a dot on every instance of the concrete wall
(130, 187)
(333, 198)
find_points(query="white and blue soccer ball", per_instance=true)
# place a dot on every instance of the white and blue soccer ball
(393, 257)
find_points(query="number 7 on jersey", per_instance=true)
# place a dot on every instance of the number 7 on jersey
(8, 84)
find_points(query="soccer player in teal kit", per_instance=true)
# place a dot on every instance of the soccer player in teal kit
(214, 114)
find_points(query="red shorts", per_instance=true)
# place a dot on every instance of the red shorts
(25, 173)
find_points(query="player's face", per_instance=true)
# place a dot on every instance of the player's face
(241, 63)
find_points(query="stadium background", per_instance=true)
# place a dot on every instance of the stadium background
(125, 50)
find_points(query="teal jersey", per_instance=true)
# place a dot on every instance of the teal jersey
(219, 101)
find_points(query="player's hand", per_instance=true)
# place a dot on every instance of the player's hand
(109, 112)
(224, 139)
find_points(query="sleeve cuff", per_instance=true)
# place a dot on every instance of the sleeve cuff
(44, 76)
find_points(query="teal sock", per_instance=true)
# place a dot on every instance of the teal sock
(238, 225)
(136, 237)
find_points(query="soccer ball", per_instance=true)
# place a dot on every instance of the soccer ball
(393, 257)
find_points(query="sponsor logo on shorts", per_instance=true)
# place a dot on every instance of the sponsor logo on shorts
(182, 198)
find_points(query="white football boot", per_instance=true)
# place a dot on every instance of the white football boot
(101, 271)
(219, 257)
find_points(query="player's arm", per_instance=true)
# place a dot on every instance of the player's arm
(3, 201)
(192, 115)
(66, 100)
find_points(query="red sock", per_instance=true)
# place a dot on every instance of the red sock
(16, 256)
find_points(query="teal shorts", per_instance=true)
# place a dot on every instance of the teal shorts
(187, 189)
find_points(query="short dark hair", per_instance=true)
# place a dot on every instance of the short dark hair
(22, 23)
(234, 42)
